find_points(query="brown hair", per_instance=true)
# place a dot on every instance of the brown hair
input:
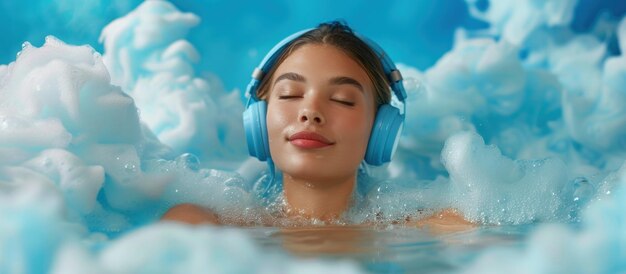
(338, 34)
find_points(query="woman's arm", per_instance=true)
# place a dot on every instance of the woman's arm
(445, 221)
(191, 214)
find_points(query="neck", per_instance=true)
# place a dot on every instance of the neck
(323, 200)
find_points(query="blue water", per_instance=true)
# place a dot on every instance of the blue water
(515, 118)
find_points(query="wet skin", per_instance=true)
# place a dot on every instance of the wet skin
(321, 109)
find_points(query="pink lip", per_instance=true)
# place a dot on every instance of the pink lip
(309, 140)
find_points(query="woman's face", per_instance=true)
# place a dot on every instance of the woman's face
(320, 114)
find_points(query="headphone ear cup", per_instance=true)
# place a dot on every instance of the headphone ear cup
(256, 130)
(385, 135)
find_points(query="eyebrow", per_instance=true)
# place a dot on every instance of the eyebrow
(339, 80)
(290, 76)
(343, 80)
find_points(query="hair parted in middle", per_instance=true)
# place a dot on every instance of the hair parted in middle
(339, 35)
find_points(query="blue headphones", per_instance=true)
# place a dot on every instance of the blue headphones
(385, 131)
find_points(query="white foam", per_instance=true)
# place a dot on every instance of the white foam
(148, 56)
(491, 188)
(516, 20)
(597, 247)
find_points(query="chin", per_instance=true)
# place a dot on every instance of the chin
(308, 172)
(316, 171)
(316, 166)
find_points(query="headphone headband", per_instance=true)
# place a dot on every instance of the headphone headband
(391, 72)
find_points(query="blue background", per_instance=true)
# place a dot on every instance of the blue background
(233, 36)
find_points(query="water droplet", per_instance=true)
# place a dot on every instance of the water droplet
(130, 168)
(189, 161)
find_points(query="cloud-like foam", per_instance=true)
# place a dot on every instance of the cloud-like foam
(149, 58)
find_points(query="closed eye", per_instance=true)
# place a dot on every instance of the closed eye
(347, 103)
(287, 97)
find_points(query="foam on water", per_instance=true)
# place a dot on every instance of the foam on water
(519, 123)
(597, 246)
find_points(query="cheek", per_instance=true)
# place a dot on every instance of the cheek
(277, 119)
(357, 129)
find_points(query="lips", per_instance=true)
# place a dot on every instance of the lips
(309, 140)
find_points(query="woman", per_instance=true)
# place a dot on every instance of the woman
(319, 108)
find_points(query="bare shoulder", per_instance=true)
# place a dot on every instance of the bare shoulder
(445, 221)
(191, 214)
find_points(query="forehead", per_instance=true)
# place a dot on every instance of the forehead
(323, 61)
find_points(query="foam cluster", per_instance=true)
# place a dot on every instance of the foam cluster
(597, 246)
(511, 119)
(148, 56)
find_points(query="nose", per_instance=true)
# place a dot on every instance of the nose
(308, 115)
